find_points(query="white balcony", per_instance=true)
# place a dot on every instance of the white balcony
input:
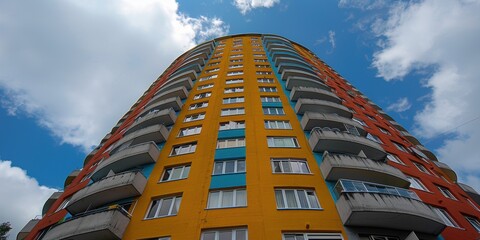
(313, 93)
(321, 106)
(164, 117)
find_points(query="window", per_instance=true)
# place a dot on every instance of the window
(265, 80)
(233, 90)
(260, 60)
(394, 158)
(472, 204)
(273, 111)
(236, 73)
(189, 131)
(227, 198)
(360, 121)
(236, 60)
(421, 168)
(206, 86)
(232, 125)
(351, 129)
(378, 237)
(230, 143)
(213, 64)
(194, 117)
(288, 165)
(262, 66)
(183, 149)
(225, 234)
(257, 50)
(400, 147)
(312, 236)
(230, 166)
(236, 56)
(446, 218)
(235, 66)
(283, 142)
(368, 116)
(267, 89)
(198, 105)
(202, 95)
(233, 100)
(296, 199)
(164, 207)
(263, 73)
(212, 70)
(416, 183)
(374, 138)
(237, 50)
(63, 204)
(259, 55)
(446, 193)
(273, 124)
(175, 173)
(232, 111)
(385, 131)
(474, 222)
(270, 99)
(233, 81)
(208, 77)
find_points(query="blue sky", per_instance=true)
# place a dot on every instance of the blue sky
(70, 69)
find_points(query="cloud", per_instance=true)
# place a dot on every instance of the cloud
(76, 66)
(440, 36)
(22, 197)
(331, 38)
(247, 5)
(401, 105)
(362, 4)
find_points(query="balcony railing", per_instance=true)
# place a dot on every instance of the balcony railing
(107, 190)
(293, 82)
(177, 82)
(165, 117)
(157, 133)
(313, 93)
(173, 102)
(342, 142)
(180, 92)
(372, 205)
(71, 177)
(341, 166)
(27, 229)
(321, 106)
(106, 224)
(447, 170)
(50, 201)
(127, 159)
(311, 120)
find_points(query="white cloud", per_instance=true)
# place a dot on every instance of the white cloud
(331, 38)
(440, 36)
(247, 5)
(22, 197)
(401, 105)
(77, 66)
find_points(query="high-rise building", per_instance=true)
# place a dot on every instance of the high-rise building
(252, 136)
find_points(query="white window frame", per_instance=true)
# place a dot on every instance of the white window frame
(233, 100)
(273, 140)
(184, 171)
(415, 183)
(263, 73)
(400, 147)
(446, 218)
(236, 60)
(474, 222)
(235, 66)
(267, 89)
(273, 111)
(374, 138)
(265, 80)
(236, 56)
(277, 124)
(234, 73)
(232, 111)
(446, 192)
(233, 90)
(260, 60)
(290, 166)
(171, 211)
(205, 86)
(270, 99)
(472, 204)
(297, 192)
(230, 143)
(232, 125)
(223, 165)
(198, 105)
(194, 117)
(312, 236)
(64, 203)
(183, 149)
(259, 55)
(202, 95)
(360, 121)
(221, 192)
(216, 233)
(188, 131)
(421, 168)
(234, 81)
(208, 78)
(212, 70)
(394, 158)
(262, 66)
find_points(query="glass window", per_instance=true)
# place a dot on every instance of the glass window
(236, 60)
(421, 168)
(164, 207)
(183, 149)
(416, 183)
(230, 166)
(236, 56)
(385, 131)
(296, 199)
(360, 121)
(198, 105)
(206, 86)
(235, 73)
(446, 192)
(267, 89)
(212, 70)
(202, 95)
(232, 111)
(235, 66)
(233, 100)
(274, 124)
(225, 234)
(474, 222)
(288, 165)
(227, 198)
(175, 173)
(208, 77)
(447, 219)
(264, 73)
(394, 158)
(194, 117)
(399, 147)
(233, 81)
(270, 99)
(472, 204)
(63, 204)
(265, 80)
(283, 142)
(213, 64)
(273, 111)
(230, 143)
(260, 60)
(374, 138)
(232, 125)
(312, 236)
(190, 131)
(233, 90)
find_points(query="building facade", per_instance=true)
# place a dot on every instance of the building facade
(254, 137)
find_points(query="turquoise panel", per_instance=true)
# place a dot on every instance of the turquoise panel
(230, 153)
(147, 169)
(228, 180)
(271, 104)
(233, 133)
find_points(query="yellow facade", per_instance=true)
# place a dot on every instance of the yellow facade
(261, 216)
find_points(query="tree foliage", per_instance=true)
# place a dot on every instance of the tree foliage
(4, 229)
